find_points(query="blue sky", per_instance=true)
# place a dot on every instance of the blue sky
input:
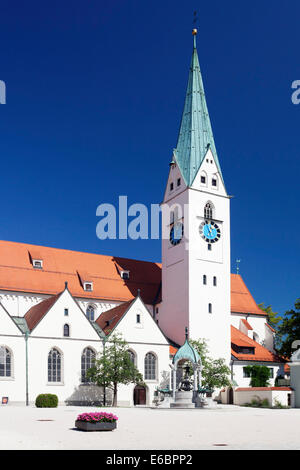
(95, 92)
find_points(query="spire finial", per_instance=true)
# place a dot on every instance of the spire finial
(194, 32)
(238, 266)
(186, 333)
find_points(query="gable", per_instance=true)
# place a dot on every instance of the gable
(147, 331)
(51, 324)
(174, 175)
(110, 318)
(209, 169)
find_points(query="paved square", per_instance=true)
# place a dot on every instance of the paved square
(143, 428)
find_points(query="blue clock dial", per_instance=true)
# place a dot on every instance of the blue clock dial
(176, 233)
(210, 231)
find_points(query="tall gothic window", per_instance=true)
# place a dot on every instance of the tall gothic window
(132, 356)
(5, 362)
(54, 366)
(208, 211)
(150, 366)
(87, 361)
(90, 313)
(66, 330)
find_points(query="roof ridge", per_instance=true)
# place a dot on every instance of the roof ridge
(79, 252)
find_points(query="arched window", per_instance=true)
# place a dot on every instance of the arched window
(209, 308)
(5, 362)
(214, 181)
(203, 178)
(255, 337)
(87, 361)
(215, 280)
(204, 279)
(208, 210)
(132, 356)
(150, 366)
(54, 366)
(90, 312)
(66, 330)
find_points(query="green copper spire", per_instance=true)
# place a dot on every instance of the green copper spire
(195, 134)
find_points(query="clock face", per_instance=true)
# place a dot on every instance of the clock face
(176, 233)
(210, 231)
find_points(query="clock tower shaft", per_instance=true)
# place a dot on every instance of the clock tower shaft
(196, 264)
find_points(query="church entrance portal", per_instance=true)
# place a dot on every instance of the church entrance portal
(139, 395)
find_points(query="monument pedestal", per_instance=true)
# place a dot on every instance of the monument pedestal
(183, 399)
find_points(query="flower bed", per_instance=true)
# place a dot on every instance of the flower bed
(96, 421)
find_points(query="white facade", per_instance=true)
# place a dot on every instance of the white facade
(274, 395)
(188, 300)
(48, 334)
(239, 378)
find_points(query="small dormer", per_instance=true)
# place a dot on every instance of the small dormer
(245, 327)
(125, 275)
(37, 263)
(86, 281)
(36, 259)
(88, 286)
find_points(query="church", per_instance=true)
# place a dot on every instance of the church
(58, 308)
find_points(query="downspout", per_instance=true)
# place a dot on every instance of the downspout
(231, 368)
(104, 387)
(26, 366)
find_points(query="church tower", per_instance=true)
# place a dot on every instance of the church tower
(196, 231)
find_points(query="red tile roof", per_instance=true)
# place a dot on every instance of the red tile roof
(263, 389)
(173, 350)
(109, 319)
(261, 353)
(247, 325)
(241, 299)
(37, 312)
(18, 274)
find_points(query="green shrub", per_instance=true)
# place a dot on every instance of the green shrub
(265, 403)
(255, 403)
(260, 375)
(258, 403)
(46, 400)
(279, 405)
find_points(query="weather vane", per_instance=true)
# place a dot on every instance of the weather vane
(195, 22)
(238, 266)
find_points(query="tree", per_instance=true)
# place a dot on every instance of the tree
(273, 317)
(215, 373)
(259, 375)
(114, 367)
(289, 330)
